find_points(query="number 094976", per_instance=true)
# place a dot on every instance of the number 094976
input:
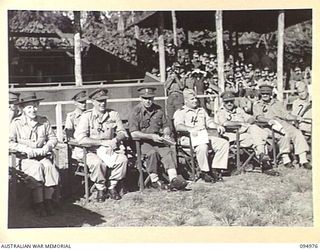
(308, 246)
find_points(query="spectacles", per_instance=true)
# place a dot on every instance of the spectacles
(229, 101)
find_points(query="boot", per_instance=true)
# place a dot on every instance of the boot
(48, 204)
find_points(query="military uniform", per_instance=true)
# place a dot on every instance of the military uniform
(198, 117)
(13, 110)
(152, 122)
(276, 111)
(105, 127)
(302, 108)
(250, 134)
(24, 137)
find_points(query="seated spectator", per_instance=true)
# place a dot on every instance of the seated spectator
(301, 107)
(102, 129)
(147, 122)
(13, 107)
(195, 120)
(32, 135)
(250, 134)
(269, 110)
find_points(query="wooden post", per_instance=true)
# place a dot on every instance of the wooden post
(59, 122)
(77, 49)
(162, 59)
(280, 55)
(174, 28)
(220, 52)
(136, 32)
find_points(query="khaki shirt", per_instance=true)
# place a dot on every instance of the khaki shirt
(95, 126)
(273, 109)
(302, 108)
(193, 118)
(235, 115)
(72, 120)
(150, 122)
(23, 135)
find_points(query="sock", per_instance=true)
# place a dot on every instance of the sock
(285, 158)
(154, 177)
(172, 172)
(48, 192)
(303, 158)
(113, 184)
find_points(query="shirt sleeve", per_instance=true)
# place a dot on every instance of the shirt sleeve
(178, 118)
(69, 124)
(83, 128)
(134, 121)
(120, 130)
(52, 138)
(13, 139)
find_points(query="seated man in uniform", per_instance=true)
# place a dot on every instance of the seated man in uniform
(148, 122)
(32, 135)
(73, 117)
(301, 107)
(273, 112)
(196, 120)
(102, 128)
(250, 134)
(13, 107)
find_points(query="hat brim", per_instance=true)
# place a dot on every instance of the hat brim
(83, 99)
(147, 95)
(228, 99)
(101, 98)
(27, 101)
(266, 92)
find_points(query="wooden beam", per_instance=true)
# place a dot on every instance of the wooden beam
(220, 52)
(162, 60)
(174, 28)
(32, 34)
(77, 49)
(280, 55)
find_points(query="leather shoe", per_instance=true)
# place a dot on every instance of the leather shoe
(178, 184)
(159, 185)
(307, 165)
(113, 194)
(49, 207)
(207, 177)
(216, 175)
(100, 196)
(39, 209)
(271, 172)
(288, 165)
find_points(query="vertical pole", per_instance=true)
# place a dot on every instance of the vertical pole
(220, 52)
(174, 28)
(280, 54)
(77, 49)
(162, 59)
(59, 122)
(136, 32)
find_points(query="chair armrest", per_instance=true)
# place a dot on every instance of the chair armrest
(183, 133)
(262, 124)
(76, 144)
(232, 128)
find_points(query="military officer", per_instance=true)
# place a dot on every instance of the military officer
(268, 109)
(13, 107)
(148, 122)
(32, 135)
(250, 134)
(73, 117)
(196, 120)
(102, 128)
(301, 107)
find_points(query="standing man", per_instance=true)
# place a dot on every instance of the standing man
(273, 112)
(13, 107)
(250, 134)
(147, 122)
(195, 120)
(33, 136)
(102, 129)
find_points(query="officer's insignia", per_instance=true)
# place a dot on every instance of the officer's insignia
(264, 109)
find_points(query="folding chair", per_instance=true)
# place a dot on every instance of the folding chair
(80, 166)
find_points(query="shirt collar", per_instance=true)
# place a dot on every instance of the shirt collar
(103, 117)
(24, 119)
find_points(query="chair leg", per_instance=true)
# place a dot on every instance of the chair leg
(86, 177)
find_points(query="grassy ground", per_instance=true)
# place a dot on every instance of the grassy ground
(251, 199)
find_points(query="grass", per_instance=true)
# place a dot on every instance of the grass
(251, 199)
